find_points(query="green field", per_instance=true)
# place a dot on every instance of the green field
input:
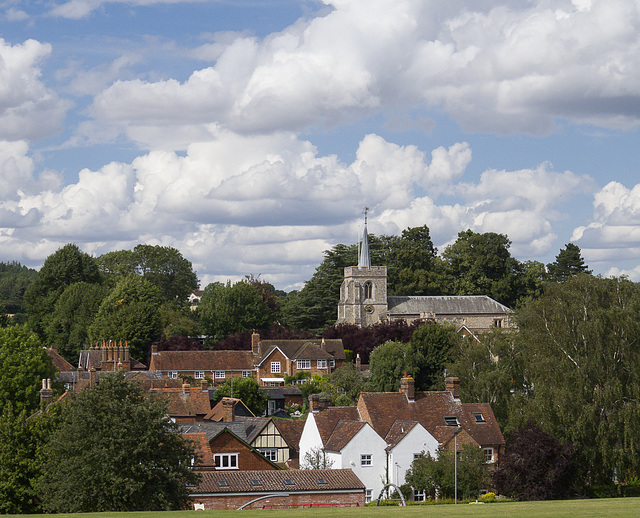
(614, 508)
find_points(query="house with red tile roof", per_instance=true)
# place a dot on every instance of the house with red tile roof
(185, 404)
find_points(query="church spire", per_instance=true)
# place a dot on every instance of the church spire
(364, 260)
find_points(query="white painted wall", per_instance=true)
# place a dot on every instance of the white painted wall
(418, 440)
(310, 438)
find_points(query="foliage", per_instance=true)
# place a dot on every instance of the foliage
(23, 364)
(74, 311)
(177, 320)
(569, 262)
(131, 312)
(116, 450)
(246, 389)
(582, 360)
(438, 474)
(387, 364)
(64, 267)
(345, 381)
(242, 341)
(429, 351)
(14, 281)
(233, 308)
(535, 466)
(316, 458)
(162, 266)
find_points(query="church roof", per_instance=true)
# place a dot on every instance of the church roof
(445, 305)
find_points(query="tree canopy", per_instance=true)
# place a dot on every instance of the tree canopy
(116, 450)
(246, 389)
(569, 262)
(430, 349)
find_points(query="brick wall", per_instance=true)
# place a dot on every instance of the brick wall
(247, 458)
(230, 502)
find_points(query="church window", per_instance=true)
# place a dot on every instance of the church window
(368, 290)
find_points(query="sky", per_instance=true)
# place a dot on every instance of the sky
(251, 134)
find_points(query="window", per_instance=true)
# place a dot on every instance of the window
(478, 417)
(367, 496)
(199, 375)
(365, 459)
(173, 375)
(488, 455)
(289, 482)
(223, 483)
(497, 322)
(417, 456)
(451, 421)
(321, 481)
(368, 290)
(246, 374)
(418, 496)
(226, 460)
(332, 363)
(322, 364)
(256, 482)
(275, 367)
(304, 364)
(219, 375)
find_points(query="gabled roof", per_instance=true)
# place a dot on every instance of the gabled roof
(290, 481)
(445, 305)
(201, 360)
(304, 349)
(58, 361)
(291, 431)
(92, 358)
(399, 431)
(201, 448)
(246, 429)
(240, 409)
(327, 420)
(191, 402)
(383, 409)
(342, 434)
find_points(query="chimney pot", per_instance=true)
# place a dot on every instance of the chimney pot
(407, 387)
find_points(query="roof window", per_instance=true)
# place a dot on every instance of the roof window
(478, 417)
(322, 481)
(223, 483)
(451, 421)
(289, 482)
(256, 482)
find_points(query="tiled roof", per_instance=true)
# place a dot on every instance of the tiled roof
(290, 481)
(327, 420)
(342, 434)
(383, 409)
(398, 431)
(202, 360)
(58, 361)
(217, 412)
(202, 448)
(92, 358)
(291, 431)
(446, 305)
(192, 402)
(303, 349)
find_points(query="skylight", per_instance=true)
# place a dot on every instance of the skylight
(256, 482)
(451, 421)
(322, 481)
(223, 483)
(288, 482)
(479, 418)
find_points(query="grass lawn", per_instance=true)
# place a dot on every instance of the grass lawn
(603, 507)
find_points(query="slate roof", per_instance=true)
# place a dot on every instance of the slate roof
(304, 349)
(202, 360)
(445, 305)
(274, 481)
(342, 435)
(246, 429)
(383, 409)
(92, 358)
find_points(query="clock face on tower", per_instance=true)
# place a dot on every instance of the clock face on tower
(368, 308)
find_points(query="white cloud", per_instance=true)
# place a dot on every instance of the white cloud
(28, 109)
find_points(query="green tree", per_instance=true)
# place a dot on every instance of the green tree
(246, 389)
(131, 312)
(569, 262)
(481, 264)
(23, 364)
(73, 313)
(14, 281)
(431, 475)
(178, 320)
(66, 266)
(116, 450)
(429, 352)
(346, 381)
(387, 363)
(583, 362)
(232, 308)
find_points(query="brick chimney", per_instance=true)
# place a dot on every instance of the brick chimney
(46, 394)
(154, 348)
(228, 410)
(318, 403)
(185, 388)
(407, 387)
(255, 344)
(453, 386)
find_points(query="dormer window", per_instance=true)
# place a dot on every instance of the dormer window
(451, 421)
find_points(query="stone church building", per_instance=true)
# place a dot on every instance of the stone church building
(364, 301)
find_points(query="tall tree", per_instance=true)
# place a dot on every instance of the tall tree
(116, 450)
(430, 349)
(387, 363)
(23, 364)
(246, 389)
(131, 312)
(14, 281)
(583, 363)
(66, 266)
(569, 262)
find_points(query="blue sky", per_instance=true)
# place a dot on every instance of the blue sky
(251, 134)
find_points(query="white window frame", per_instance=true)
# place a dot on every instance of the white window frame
(419, 495)
(199, 375)
(220, 375)
(246, 374)
(230, 459)
(332, 362)
(275, 367)
(303, 364)
(367, 496)
(321, 364)
(488, 455)
(173, 375)
(270, 454)
(366, 460)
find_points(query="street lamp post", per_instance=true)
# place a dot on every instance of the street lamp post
(455, 464)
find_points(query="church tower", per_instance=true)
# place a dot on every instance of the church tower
(363, 294)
